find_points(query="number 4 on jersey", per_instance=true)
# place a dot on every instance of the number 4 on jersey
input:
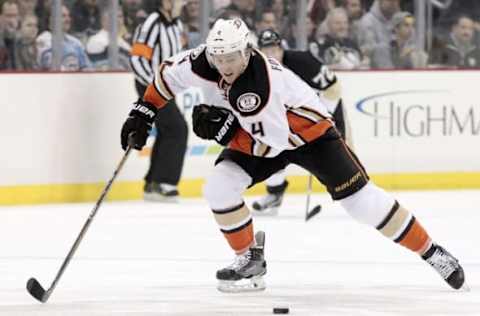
(257, 128)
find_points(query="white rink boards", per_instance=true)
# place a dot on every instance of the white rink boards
(413, 129)
(159, 259)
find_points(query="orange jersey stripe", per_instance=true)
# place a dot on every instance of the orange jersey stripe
(141, 50)
(416, 238)
(305, 128)
(242, 142)
(316, 130)
(241, 240)
(151, 95)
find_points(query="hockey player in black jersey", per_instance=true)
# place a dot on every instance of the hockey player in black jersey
(321, 79)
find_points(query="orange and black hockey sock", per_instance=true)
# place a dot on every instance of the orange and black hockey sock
(403, 228)
(236, 225)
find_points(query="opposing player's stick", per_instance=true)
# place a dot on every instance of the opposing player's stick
(33, 286)
(309, 213)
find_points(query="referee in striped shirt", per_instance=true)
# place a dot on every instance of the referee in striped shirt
(158, 38)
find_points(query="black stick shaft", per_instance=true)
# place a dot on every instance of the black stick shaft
(309, 193)
(86, 225)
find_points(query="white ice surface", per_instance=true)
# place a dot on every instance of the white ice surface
(160, 259)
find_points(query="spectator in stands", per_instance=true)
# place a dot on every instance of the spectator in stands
(85, 18)
(97, 45)
(5, 61)
(318, 10)
(191, 22)
(42, 11)
(294, 32)
(355, 13)
(74, 57)
(266, 20)
(279, 9)
(376, 25)
(10, 18)
(460, 50)
(401, 52)
(447, 17)
(27, 7)
(134, 14)
(26, 46)
(246, 9)
(354, 9)
(336, 48)
(225, 14)
(219, 4)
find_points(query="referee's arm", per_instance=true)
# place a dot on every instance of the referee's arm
(144, 42)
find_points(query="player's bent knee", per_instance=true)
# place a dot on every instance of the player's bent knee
(369, 205)
(225, 186)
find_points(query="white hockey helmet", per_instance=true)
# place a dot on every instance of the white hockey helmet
(228, 36)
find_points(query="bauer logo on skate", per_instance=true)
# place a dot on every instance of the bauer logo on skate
(248, 102)
(420, 113)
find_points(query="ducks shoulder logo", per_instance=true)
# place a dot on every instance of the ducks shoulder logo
(248, 102)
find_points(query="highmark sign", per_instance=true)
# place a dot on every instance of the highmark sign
(419, 113)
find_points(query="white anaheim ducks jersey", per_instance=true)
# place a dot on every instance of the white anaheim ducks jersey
(276, 109)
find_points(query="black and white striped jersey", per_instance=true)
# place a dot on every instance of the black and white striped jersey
(155, 40)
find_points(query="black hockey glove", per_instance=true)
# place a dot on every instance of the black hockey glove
(139, 122)
(211, 122)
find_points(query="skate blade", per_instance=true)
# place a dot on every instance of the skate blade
(241, 286)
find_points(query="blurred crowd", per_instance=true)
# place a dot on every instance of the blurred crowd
(345, 34)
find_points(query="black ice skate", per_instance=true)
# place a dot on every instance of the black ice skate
(158, 192)
(269, 204)
(446, 265)
(245, 274)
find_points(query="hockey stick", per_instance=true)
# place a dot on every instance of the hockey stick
(309, 213)
(33, 286)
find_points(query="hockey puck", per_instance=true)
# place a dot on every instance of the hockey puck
(281, 310)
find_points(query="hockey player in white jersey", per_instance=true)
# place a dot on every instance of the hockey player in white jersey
(267, 118)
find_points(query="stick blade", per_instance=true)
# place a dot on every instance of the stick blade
(36, 290)
(313, 212)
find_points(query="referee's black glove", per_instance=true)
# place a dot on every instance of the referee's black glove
(139, 123)
(211, 122)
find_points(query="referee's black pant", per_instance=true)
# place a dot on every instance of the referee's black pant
(168, 152)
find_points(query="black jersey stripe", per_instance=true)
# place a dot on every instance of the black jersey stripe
(139, 69)
(147, 27)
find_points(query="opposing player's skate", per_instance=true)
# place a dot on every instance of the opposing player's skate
(245, 274)
(447, 266)
(269, 204)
